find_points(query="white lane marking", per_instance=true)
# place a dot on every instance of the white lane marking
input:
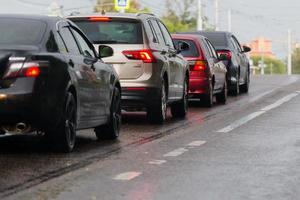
(176, 152)
(157, 162)
(127, 176)
(196, 143)
(280, 102)
(252, 116)
(262, 95)
(240, 122)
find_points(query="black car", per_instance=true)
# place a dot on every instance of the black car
(238, 75)
(52, 81)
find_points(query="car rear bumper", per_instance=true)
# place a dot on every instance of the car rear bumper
(138, 97)
(198, 86)
(34, 108)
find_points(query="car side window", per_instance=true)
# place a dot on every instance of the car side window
(155, 38)
(69, 41)
(166, 35)
(61, 45)
(157, 31)
(213, 51)
(85, 48)
(235, 44)
(207, 49)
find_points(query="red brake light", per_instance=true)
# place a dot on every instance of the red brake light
(226, 52)
(199, 65)
(33, 71)
(100, 19)
(145, 55)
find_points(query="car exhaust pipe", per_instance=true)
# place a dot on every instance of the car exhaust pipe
(21, 127)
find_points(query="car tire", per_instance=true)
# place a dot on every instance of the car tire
(236, 90)
(208, 99)
(111, 130)
(157, 111)
(63, 138)
(179, 109)
(245, 87)
(222, 96)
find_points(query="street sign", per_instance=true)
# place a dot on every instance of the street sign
(122, 4)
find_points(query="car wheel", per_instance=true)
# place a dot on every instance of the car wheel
(111, 130)
(236, 90)
(245, 87)
(64, 136)
(208, 99)
(157, 112)
(179, 109)
(222, 96)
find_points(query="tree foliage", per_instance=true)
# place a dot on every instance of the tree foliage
(109, 6)
(181, 16)
(296, 61)
(273, 65)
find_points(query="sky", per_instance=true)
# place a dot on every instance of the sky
(250, 19)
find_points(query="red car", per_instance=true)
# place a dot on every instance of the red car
(207, 70)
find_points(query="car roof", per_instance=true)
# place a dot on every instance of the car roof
(187, 36)
(113, 15)
(33, 17)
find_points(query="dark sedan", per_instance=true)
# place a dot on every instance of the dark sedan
(52, 81)
(238, 75)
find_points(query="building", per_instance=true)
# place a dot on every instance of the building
(261, 47)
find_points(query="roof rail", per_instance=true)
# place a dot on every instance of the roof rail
(144, 13)
(74, 13)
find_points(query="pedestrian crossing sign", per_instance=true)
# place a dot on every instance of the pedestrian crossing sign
(122, 4)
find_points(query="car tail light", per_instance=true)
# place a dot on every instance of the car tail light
(27, 69)
(100, 19)
(199, 65)
(145, 55)
(226, 52)
(33, 71)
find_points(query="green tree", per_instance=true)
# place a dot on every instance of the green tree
(181, 16)
(109, 6)
(273, 65)
(296, 61)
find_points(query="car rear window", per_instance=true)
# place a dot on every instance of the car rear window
(191, 52)
(21, 31)
(113, 32)
(217, 39)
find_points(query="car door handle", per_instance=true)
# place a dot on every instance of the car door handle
(163, 52)
(71, 63)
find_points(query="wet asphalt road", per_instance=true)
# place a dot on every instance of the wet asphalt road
(247, 149)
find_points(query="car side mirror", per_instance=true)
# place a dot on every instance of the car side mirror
(223, 57)
(105, 51)
(182, 46)
(246, 49)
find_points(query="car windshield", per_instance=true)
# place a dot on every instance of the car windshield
(191, 52)
(113, 32)
(21, 31)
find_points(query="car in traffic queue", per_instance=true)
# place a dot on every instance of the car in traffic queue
(207, 70)
(237, 63)
(152, 73)
(53, 81)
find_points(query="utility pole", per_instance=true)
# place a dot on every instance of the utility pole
(199, 20)
(229, 20)
(262, 59)
(217, 15)
(289, 64)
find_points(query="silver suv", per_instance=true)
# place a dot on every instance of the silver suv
(153, 74)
